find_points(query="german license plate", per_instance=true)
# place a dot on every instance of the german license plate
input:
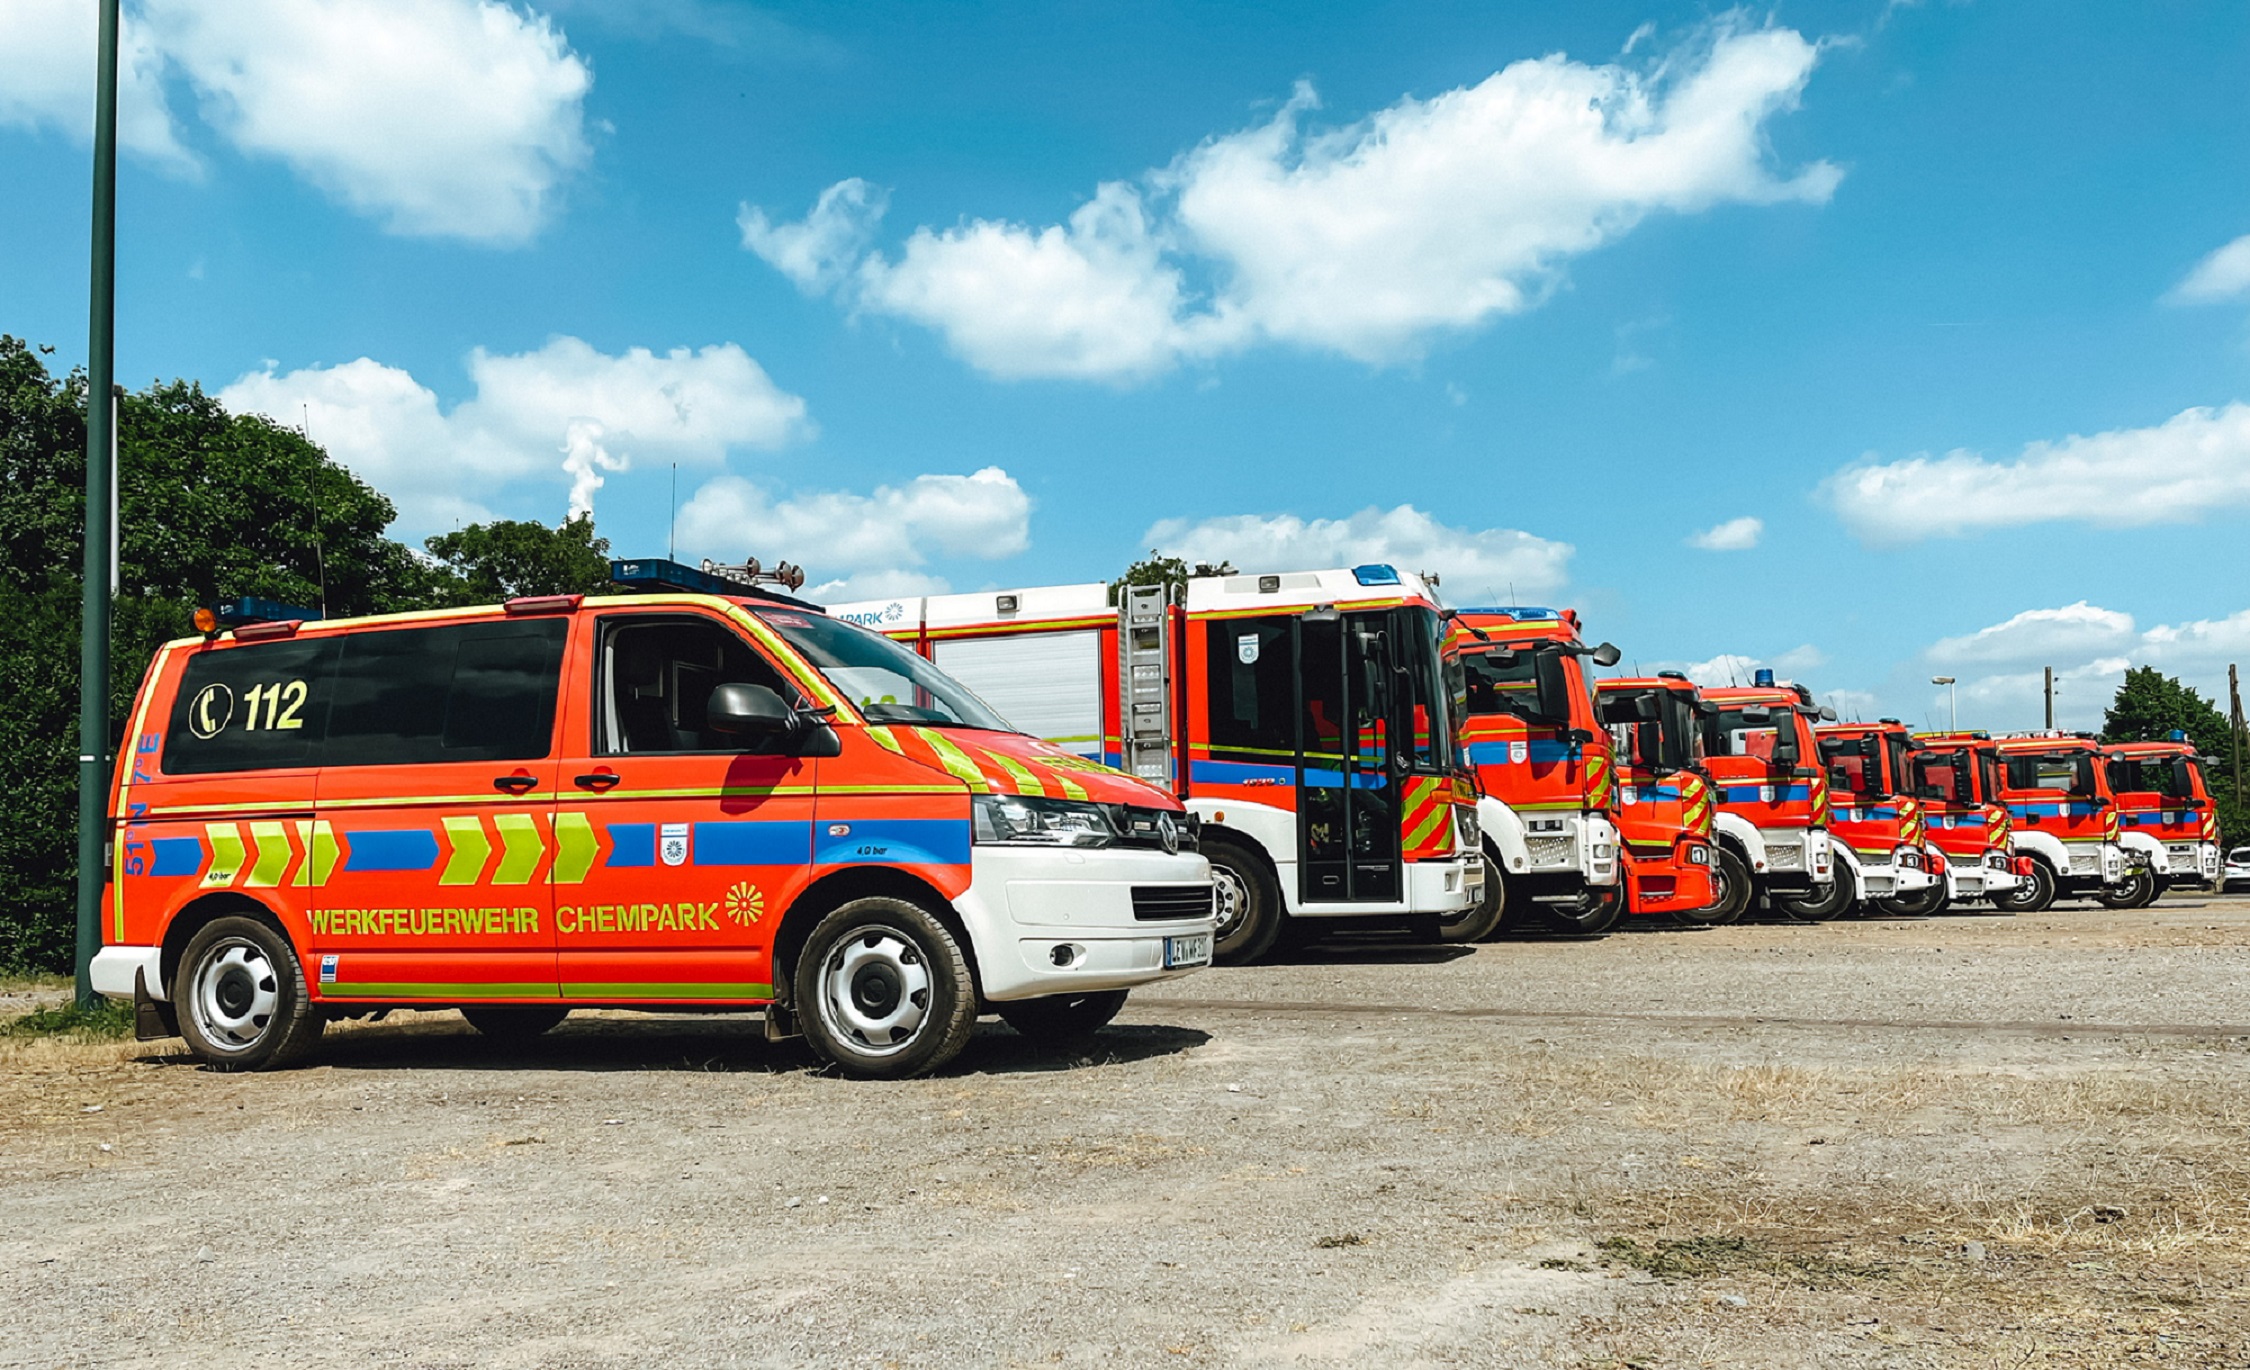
(1191, 950)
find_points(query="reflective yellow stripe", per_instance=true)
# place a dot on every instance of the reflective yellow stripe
(882, 738)
(471, 849)
(955, 761)
(521, 848)
(227, 852)
(1026, 782)
(320, 852)
(575, 848)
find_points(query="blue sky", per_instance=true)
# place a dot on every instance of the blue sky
(1952, 300)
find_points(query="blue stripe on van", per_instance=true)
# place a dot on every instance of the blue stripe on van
(632, 844)
(176, 856)
(750, 843)
(893, 842)
(390, 849)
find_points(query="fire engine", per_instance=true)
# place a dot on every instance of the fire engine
(1307, 719)
(1663, 804)
(2165, 812)
(1773, 799)
(1956, 776)
(701, 793)
(1874, 813)
(2057, 792)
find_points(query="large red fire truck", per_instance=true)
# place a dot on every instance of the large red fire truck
(1308, 719)
(1662, 803)
(2057, 792)
(2165, 812)
(1773, 800)
(1956, 776)
(1874, 812)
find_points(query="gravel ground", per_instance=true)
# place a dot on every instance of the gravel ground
(1958, 1141)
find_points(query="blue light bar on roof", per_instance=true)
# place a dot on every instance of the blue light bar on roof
(1519, 612)
(657, 573)
(242, 609)
(1375, 573)
(1763, 677)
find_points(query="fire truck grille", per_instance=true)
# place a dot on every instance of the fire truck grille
(1785, 857)
(1154, 902)
(1552, 851)
(2085, 861)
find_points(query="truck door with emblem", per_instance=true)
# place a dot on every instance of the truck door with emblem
(678, 847)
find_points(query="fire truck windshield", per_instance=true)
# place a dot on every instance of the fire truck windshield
(1531, 682)
(2168, 776)
(1654, 729)
(2070, 772)
(1436, 687)
(888, 683)
(1941, 777)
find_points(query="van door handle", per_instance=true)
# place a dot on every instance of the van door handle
(516, 783)
(599, 780)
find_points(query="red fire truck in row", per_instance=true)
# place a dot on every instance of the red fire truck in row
(1307, 719)
(1957, 778)
(1875, 814)
(1663, 802)
(1546, 764)
(2065, 815)
(1759, 749)
(2165, 811)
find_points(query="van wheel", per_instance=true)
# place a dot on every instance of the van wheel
(511, 1023)
(1249, 903)
(1062, 1017)
(2030, 895)
(240, 991)
(883, 991)
(1822, 908)
(1480, 922)
(1730, 892)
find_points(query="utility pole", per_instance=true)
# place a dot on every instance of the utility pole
(2234, 710)
(93, 632)
(2050, 697)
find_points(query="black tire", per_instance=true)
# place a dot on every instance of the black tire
(1843, 891)
(1249, 902)
(513, 1022)
(1062, 1017)
(2032, 895)
(241, 996)
(1920, 904)
(2137, 892)
(1480, 922)
(883, 990)
(1592, 913)
(1731, 874)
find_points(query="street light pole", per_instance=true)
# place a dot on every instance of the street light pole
(1952, 703)
(93, 632)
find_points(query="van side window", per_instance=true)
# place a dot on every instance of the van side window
(656, 679)
(458, 692)
(257, 708)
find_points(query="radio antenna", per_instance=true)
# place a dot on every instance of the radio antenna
(672, 538)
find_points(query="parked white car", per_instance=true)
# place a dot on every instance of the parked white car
(2237, 874)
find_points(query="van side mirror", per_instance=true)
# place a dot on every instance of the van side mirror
(751, 712)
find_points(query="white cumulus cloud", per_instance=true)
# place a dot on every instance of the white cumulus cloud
(2090, 649)
(1474, 564)
(562, 408)
(857, 546)
(2171, 473)
(1365, 240)
(446, 118)
(2221, 276)
(1734, 535)
(47, 78)
(2073, 632)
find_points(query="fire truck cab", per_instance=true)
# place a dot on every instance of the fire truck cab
(698, 794)
(2165, 812)
(1873, 811)
(1773, 796)
(1956, 776)
(2057, 793)
(1307, 719)
(1662, 802)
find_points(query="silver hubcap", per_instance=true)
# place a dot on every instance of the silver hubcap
(1232, 899)
(875, 991)
(235, 994)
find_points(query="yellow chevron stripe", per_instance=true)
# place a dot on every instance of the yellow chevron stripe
(521, 847)
(955, 761)
(321, 852)
(881, 736)
(575, 848)
(1026, 782)
(471, 849)
(227, 853)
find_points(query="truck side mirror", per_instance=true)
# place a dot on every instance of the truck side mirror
(1784, 742)
(1607, 654)
(752, 712)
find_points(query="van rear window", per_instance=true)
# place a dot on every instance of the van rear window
(408, 696)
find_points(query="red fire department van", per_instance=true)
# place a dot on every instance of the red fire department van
(1773, 798)
(1873, 810)
(707, 794)
(1306, 718)
(1662, 802)
(2057, 793)
(2164, 811)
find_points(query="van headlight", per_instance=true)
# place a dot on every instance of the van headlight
(1023, 821)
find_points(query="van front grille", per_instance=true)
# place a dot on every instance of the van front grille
(1152, 902)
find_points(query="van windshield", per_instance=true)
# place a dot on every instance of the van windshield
(886, 682)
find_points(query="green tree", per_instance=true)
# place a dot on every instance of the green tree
(489, 562)
(2151, 705)
(210, 505)
(1158, 569)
